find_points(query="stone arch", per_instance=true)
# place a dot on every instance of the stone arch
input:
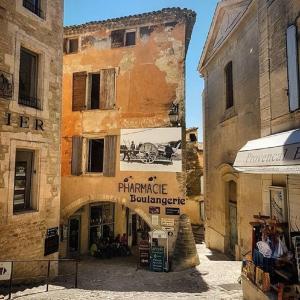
(70, 209)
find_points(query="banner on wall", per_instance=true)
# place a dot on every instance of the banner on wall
(151, 149)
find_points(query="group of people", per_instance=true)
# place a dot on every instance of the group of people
(109, 247)
(130, 152)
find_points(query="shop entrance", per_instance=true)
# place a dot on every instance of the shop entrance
(74, 236)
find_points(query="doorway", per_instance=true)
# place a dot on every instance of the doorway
(232, 218)
(74, 236)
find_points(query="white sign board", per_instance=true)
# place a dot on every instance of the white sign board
(168, 228)
(5, 270)
(167, 222)
(159, 234)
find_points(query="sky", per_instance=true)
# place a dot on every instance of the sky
(81, 11)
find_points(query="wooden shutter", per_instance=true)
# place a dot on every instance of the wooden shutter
(110, 148)
(107, 89)
(79, 90)
(293, 67)
(76, 168)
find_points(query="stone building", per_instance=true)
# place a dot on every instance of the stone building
(123, 128)
(194, 183)
(261, 146)
(30, 102)
(230, 67)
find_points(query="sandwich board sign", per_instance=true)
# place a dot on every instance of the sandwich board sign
(5, 270)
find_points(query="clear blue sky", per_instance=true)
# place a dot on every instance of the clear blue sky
(81, 11)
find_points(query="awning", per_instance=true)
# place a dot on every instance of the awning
(273, 154)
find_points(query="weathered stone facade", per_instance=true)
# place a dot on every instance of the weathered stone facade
(36, 129)
(194, 180)
(149, 80)
(233, 38)
(255, 39)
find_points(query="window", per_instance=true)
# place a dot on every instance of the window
(293, 68)
(229, 85)
(121, 38)
(34, 6)
(24, 169)
(28, 78)
(101, 155)
(193, 137)
(95, 91)
(130, 38)
(95, 156)
(71, 45)
(101, 90)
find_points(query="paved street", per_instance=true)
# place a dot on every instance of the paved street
(215, 278)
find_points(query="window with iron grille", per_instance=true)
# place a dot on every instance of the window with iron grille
(34, 6)
(28, 78)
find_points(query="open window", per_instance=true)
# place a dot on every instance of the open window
(71, 45)
(123, 38)
(28, 78)
(23, 181)
(95, 156)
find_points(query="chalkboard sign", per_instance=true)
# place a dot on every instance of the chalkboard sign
(157, 259)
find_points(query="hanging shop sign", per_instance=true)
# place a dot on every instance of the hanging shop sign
(51, 241)
(159, 234)
(137, 190)
(172, 211)
(157, 259)
(167, 222)
(144, 253)
(5, 270)
(154, 210)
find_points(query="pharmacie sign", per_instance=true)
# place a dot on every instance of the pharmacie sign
(152, 193)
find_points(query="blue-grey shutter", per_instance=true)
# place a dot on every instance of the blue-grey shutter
(293, 68)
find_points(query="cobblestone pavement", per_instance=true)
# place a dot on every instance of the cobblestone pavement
(215, 278)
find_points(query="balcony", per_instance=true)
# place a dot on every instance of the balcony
(30, 101)
(34, 7)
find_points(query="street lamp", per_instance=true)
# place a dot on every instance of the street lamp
(173, 115)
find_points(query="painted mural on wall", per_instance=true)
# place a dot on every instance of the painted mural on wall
(151, 149)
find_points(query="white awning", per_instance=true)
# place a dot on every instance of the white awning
(273, 154)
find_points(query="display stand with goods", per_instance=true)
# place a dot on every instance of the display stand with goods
(271, 269)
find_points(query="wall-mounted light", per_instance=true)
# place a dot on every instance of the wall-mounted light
(174, 115)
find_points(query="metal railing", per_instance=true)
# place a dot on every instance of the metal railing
(34, 7)
(38, 277)
(30, 101)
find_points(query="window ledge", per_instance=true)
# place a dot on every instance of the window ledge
(230, 113)
(22, 212)
(93, 174)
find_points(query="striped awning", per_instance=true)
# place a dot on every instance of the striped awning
(273, 154)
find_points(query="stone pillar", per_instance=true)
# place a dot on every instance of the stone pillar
(185, 252)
